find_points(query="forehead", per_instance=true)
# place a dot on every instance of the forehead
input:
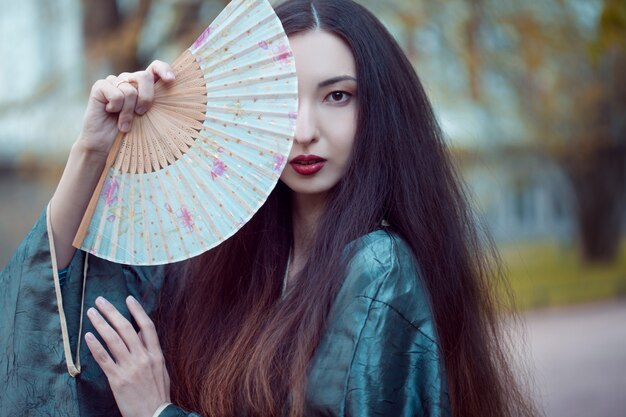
(320, 55)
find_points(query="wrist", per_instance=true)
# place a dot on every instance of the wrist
(81, 151)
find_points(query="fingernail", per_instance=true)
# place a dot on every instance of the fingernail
(92, 312)
(89, 337)
(170, 75)
(101, 301)
(140, 110)
(132, 299)
(125, 127)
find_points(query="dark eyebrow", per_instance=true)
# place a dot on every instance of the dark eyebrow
(335, 80)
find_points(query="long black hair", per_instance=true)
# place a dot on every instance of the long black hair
(255, 356)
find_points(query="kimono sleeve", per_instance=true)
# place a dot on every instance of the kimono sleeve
(44, 368)
(32, 364)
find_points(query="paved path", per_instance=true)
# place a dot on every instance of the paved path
(580, 359)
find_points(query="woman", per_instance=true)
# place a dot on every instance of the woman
(358, 289)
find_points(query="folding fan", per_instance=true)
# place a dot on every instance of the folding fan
(204, 158)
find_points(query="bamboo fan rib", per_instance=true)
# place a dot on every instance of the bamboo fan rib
(205, 157)
(168, 131)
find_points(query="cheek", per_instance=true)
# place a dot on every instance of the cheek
(344, 138)
(340, 131)
(344, 147)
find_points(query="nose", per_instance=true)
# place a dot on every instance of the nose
(306, 127)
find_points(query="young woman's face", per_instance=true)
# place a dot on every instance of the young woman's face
(327, 112)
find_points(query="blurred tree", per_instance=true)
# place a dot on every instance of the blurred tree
(114, 35)
(568, 74)
(111, 37)
(599, 171)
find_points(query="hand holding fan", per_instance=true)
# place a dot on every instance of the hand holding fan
(204, 158)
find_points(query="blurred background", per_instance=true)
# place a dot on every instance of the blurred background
(531, 96)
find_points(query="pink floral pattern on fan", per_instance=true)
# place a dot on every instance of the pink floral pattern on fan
(198, 43)
(185, 219)
(279, 163)
(282, 54)
(293, 117)
(218, 169)
(109, 191)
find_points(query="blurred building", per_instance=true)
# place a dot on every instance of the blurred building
(522, 196)
(41, 79)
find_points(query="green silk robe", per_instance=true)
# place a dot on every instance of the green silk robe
(379, 355)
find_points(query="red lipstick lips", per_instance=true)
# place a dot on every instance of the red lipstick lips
(307, 164)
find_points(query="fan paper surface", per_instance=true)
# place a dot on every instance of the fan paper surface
(204, 158)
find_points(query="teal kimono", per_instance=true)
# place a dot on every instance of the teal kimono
(379, 355)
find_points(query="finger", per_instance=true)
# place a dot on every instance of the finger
(105, 92)
(120, 351)
(124, 76)
(123, 328)
(145, 91)
(158, 367)
(161, 70)
(146, 325)
(128, 108)
(100, 355)
(114, 342)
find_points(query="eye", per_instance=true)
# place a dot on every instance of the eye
(338, 97)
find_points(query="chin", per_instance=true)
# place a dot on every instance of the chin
(309, 188)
